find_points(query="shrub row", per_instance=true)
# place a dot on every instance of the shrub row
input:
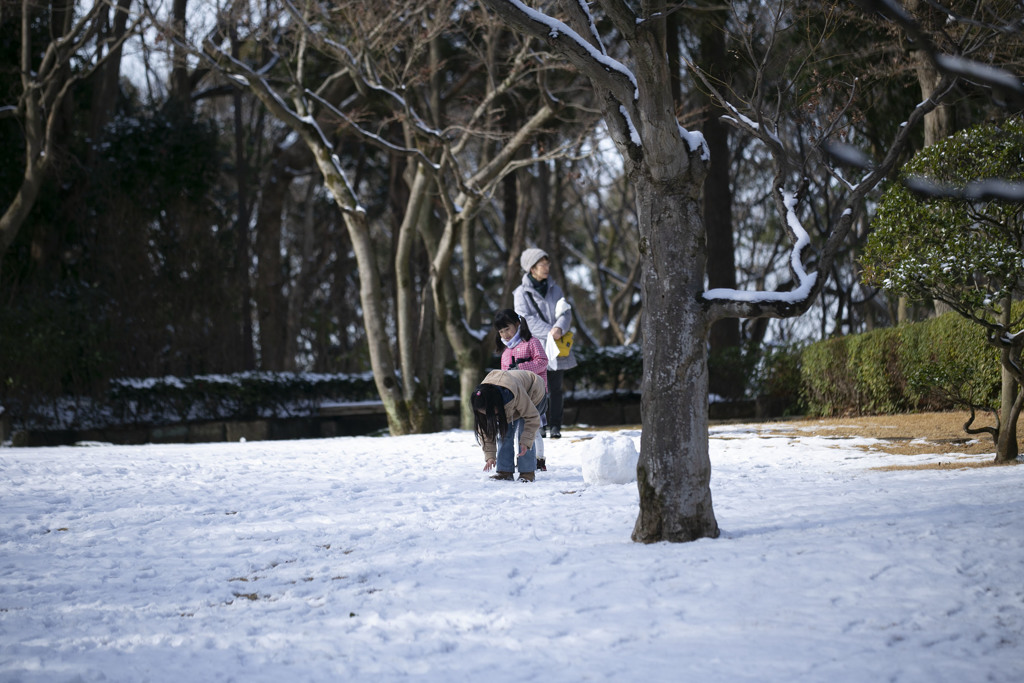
(932, 365)
(249, 395)
(173, 400)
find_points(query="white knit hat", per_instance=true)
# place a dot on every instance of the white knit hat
(530, 258)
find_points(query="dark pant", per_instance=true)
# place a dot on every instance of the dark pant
(555, 398)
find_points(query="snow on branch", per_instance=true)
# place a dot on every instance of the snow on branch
(584, 10)
(303, 124)
(695, 141)
(805, 281)
(590, 59)
(743, 121)
(372, 137)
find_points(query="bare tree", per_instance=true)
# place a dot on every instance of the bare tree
(372, 72)
(79, 47)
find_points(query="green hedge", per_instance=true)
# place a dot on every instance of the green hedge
(932, 365)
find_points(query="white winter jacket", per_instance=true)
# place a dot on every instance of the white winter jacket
(541, 316)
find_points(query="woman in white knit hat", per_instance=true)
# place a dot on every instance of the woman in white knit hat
(537, 300)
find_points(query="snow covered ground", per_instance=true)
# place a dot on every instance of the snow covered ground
(397, 559)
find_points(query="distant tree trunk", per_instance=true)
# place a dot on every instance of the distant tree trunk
(417, 321)
(181, 83)
(270, 292)
(1010, 401)
(243, 254)
(938, 124)
(105, 83)
(724, 338)
(542, 232)
(517, 200)
(1009, 413)
(902, 311)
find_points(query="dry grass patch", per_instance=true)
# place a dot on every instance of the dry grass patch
(953, 465)
(909, 434)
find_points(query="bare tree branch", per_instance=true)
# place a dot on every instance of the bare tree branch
(44, 88)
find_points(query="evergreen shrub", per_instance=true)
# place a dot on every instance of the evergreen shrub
(937, 364)
(618, 369)
(777, 381)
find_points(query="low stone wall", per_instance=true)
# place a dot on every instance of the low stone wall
(218, 430)
(345, 420)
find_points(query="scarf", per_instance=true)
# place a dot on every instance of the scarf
(514, 341)
(540, 285)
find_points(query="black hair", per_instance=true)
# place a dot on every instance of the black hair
(508, 317)
(491, 424)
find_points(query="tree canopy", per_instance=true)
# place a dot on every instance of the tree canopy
(952, 229)
(964, 247)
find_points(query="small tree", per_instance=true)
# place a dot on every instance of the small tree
(952, 233)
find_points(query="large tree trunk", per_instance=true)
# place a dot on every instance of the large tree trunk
(674, 470)
(379, 344)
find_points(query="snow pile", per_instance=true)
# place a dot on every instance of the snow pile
(608, 459)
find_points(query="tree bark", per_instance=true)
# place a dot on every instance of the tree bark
(674, 468)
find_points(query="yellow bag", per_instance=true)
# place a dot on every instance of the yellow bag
(564, 344)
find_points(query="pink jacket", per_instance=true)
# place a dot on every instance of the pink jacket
(532, 349)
